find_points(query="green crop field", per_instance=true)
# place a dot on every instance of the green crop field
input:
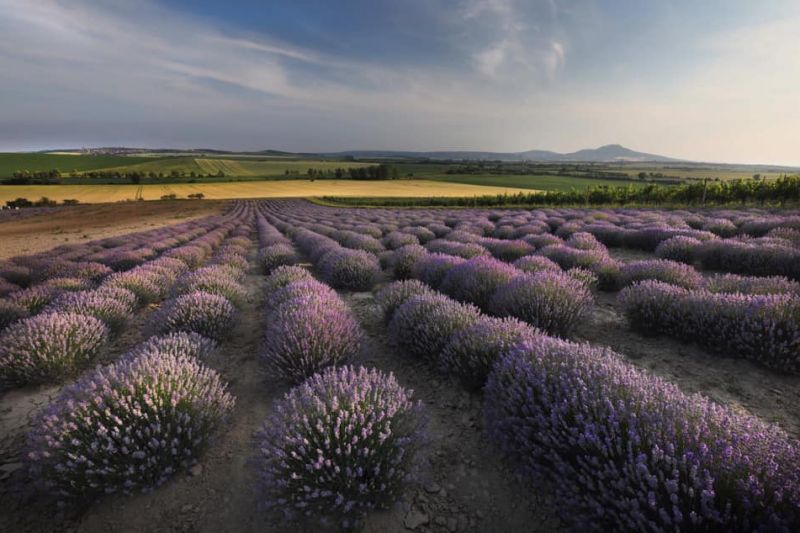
(544, 183)
(244, 167)
(12, 162)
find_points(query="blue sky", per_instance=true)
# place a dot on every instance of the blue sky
(708, 80)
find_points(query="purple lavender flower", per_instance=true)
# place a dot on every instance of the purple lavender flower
(273, 256)
(393, 295)
(47, 347)
(308, 333)
(622, 450)
(476, 280)
(340, 444)
(403, 259)
(671, 272)
(349, 269)
(282, 276)
(423, 325)
(472, 352)
(552, 301)
(128, 427)
(10, 313)
(678, 248)
(210, 315)
(432, 268)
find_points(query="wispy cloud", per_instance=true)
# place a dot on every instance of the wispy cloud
(492, 74)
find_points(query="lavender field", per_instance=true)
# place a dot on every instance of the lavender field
(286, 366)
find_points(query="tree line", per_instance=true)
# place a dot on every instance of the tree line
(780, 191)
(54, 176)
(373, 172)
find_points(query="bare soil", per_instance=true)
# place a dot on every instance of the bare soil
(74, 224)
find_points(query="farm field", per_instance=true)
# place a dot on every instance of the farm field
(249, 189)
(12, 162)
(278, 365)
(542, 183)
(35, 230)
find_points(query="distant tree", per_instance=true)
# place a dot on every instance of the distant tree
(169, 197)
(756, 177)
(70, 201)
(19, 202)
(642, 175)
(196, 196)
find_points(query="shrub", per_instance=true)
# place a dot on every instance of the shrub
(16, 274)
(460, 249)
(349, 269)
(48, 347)
(6, 287)
(340, 444)
(423, 325)
(678, 248)
(146, 285)
(751, 284)
(757, 258)
(622, 450)
(68, 284)
(207, 314)
(112, 311)
(176, 344)
(552, 301)
(284, 275)
(509, 250)
(475, 280)
(10, 313)
(271, 257)
(397, 239)
(671, 272)
(213, 280)
(306, 334)
(404, 258)
(763, 328)
(535, 263)
(304, 287)
(128, 427)
(587, 277)
(472, 351)
(392, 296)
(34, 299)
(432, 268)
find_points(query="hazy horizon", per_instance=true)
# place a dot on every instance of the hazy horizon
(717, 81)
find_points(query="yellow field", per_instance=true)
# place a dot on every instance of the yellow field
(250, 189)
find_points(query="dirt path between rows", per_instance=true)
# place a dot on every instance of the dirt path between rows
(464, 484)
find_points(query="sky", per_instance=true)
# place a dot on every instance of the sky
(705, 80)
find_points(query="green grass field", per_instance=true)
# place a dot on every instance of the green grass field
(11, 162)
(544, 183)
(245, 167)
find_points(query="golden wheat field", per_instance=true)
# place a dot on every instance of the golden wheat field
(252, 189)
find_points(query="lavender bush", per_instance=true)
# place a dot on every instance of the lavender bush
(112, 311)
(751, 284)
(552, 301)
(679, 248)
(179, 344)
(207, 314)
(622, 450)
(535, 263)
(432, 268)
(128, 427)
(340, 444)
(423, 325)
(763, 328)
(393, 295)
(471, 352)
(48, 347)
(308, 333)
(404, 258)
(284, 275)
(349, 269)
(671, 272)
(475, 280)
(271, 257)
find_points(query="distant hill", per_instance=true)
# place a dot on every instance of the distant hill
(603, 154)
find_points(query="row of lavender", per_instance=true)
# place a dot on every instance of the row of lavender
(130, 426)
(342, 441)
(73, 327)
(752, 317)
(32, 282)
(621, 449)
(765, 244)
